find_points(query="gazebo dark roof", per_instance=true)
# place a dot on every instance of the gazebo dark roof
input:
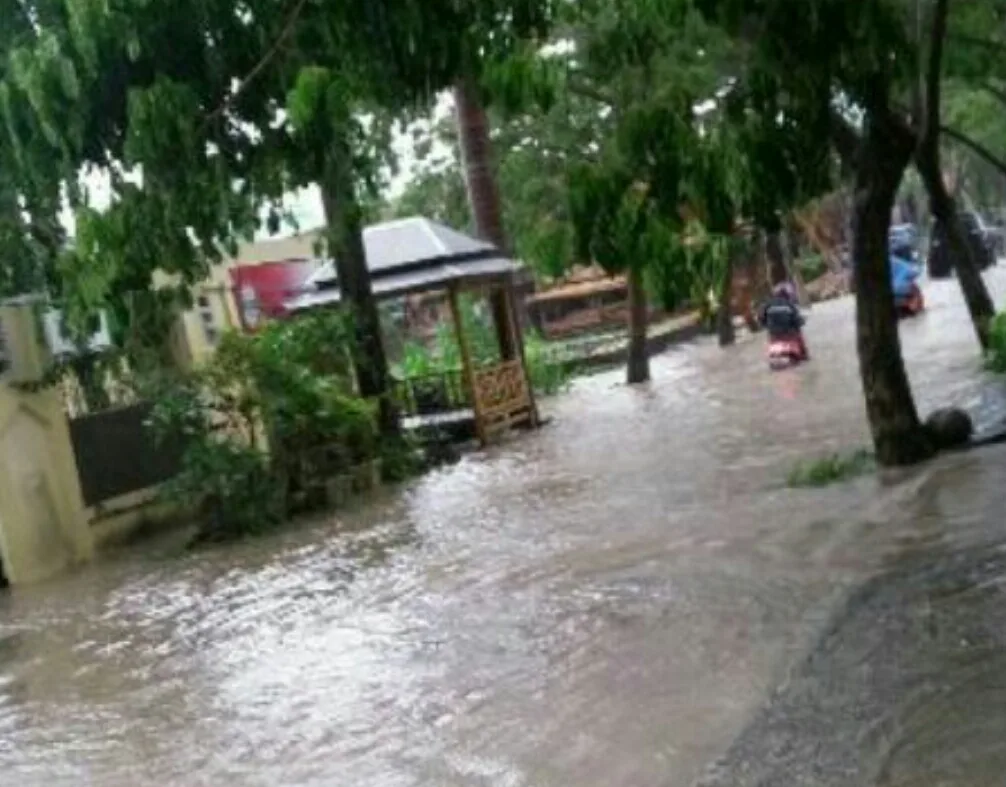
(411, 255)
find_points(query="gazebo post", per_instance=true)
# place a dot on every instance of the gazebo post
(513, 326)
(467, 371)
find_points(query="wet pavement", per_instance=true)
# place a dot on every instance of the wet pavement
(629, 597)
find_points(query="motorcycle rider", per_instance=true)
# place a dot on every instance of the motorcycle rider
(903, 276)
(782, 319)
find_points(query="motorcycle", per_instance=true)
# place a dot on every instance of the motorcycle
(908, 300)
(911, 305)
(786, 351)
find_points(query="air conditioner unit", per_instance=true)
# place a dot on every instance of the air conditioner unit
(62, 344)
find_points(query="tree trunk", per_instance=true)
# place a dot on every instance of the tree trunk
(793, 240)
(639, 362)
(483, 194)
(898, 437)
(927, 160)
(761, 279)
(776, 256)
(944, 210)
(725, 316)
(793, 271)
(345, 245)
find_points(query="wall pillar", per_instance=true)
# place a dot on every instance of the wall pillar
(43, 524)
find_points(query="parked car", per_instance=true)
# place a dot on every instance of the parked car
(981, 240)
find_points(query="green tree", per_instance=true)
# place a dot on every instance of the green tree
(942, 204)
(850, 59)
(223, 108)
(536, 147)
(498, 64)
(31, 235)
(974, 123)
(436, 188)
(647, 64)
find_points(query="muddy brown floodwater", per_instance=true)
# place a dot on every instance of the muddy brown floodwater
(629, 597)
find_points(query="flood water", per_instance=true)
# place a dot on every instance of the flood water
(630, 596)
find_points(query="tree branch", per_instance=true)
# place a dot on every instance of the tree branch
(934, 69)
(993, 46)
(994, 91)
(975, 147)
(579, 87)
(845, 138)
(262, 64)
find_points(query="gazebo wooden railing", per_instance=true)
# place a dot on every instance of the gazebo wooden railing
(415, 255)
(432, 394)
(503, 399)
(500, 388)
(497, 395)
(501, 395)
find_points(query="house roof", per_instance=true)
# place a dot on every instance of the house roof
(402, 243)
(411, 255)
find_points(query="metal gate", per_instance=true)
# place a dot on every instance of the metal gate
(117, 454)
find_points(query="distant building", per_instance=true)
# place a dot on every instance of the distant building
(272, 279)
(586, 299)
(243, 290)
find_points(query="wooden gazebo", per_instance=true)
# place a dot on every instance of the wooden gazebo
(417, 255)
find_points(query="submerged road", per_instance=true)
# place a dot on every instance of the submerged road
(629, 597)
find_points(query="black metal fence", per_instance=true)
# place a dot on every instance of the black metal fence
(116, 454)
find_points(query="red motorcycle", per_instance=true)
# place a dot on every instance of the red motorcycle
(911, 305)
(786, 351)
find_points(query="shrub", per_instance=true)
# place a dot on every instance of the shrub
(417, 361)
(547, 375)
(237, 493)
(265, 424)
(401, 459)
(995, 358)
(226, 482)
(812, 266)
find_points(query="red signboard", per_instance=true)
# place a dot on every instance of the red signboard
(262, 290)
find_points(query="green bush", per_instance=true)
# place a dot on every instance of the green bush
(831, 469)
(812, 266)
(238, 493)
(417, 361)
(995, 358)
(401, 459)
(547, 375)
(225, 481)
(265, 425)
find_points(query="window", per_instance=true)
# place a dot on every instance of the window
(208, 320)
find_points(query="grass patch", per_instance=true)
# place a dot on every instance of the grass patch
(831, 469)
